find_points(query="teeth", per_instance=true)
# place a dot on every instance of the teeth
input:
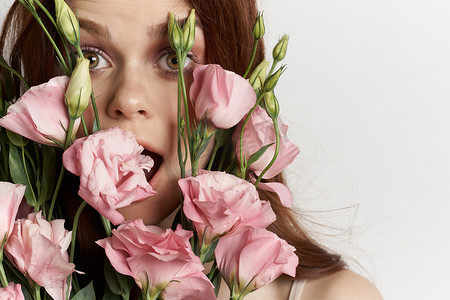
(157, 159)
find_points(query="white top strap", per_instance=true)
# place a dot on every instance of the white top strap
(296, 289)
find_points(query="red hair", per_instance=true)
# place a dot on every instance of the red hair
(227, 25)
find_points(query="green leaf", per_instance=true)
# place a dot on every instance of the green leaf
(118, 283)
(17, 171)
(95, 127)
(13, 274)
(4, 138)
(7, 91)
(48, 174)
(16, 139)
(203, 146)
(108, 295)
(222, 136)
(87, 293)
(210, 254)
(2, 104)
(216, 282)
(257, 155)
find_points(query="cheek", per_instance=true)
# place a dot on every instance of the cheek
(101, 92)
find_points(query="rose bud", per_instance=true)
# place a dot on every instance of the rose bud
(279, 52)
(189, 32)
(67, 22)
(80, 88)
(259, 28)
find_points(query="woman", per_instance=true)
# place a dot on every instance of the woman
(134, 76)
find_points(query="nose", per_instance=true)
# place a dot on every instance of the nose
(130, 99)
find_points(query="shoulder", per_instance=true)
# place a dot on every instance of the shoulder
(343, 285)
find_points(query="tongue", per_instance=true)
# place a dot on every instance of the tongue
(157, 159)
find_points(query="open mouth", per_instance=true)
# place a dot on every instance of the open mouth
(157, 159)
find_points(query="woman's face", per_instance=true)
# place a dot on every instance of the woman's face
(134, 77)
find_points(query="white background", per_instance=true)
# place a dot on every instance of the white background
(366, 95)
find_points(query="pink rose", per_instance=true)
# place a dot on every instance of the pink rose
(218, 203)
(259, 132)
(224, 96)
(156, 258)
(39, 250)
(254, 257)
(284, 194)
(111, 170)
(41, 114)
(189, 288)
(10, 198)
(11, 292)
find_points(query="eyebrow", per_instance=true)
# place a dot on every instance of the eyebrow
(153, 31)
(157, 31)
(95, 28)
(161, 30)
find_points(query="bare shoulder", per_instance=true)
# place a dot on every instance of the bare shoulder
(343, 285)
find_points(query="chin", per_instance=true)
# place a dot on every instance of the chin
(152, 211)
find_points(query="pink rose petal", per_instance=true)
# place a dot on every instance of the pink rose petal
(41, 114)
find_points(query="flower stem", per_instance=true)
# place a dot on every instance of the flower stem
(194, 167)
(55, 193)
(83, 122)
(31, 161)
(255, 47)
(203, 256)
(213, 156)
(106, 225)
(181, 60)
(28, 178)
(74, 229)
(277, 149)
(147, 296)
(94, 107)
(72, 244)
(79, 51)
(69, 133)
(232, 293)
(50, 17)
(32, 10)
(274, 64)
(183, 89)
(61, 172)
(3, 278)
(241, 140)
(37, 292)
(44, 9)
(180, 134)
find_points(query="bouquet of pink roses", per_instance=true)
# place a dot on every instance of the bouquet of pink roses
(223, 220)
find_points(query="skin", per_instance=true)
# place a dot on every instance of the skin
(135, 82)
(136, 89)
(343, 285)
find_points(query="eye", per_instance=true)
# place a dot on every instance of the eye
(172, 61)
(169, 62)
(96, 58)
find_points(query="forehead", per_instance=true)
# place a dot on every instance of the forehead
(126, 12)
